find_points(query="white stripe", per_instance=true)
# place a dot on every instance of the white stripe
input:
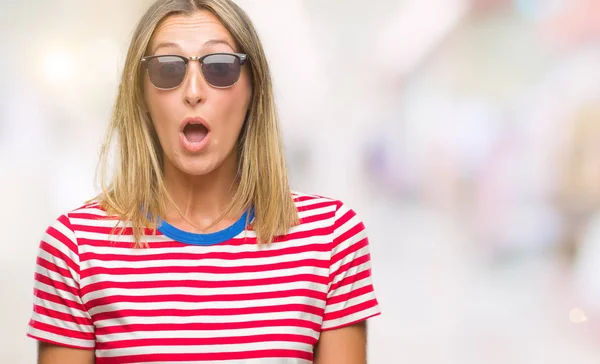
(350, 287)
(58, 244)
(353, 318)
(94, 209)
(351, 302)
(206, 305)
(351, 270)
(209, 277)
(310, 226)
(58, 307)
(149, 292)
(67, 232)
(108, 223)
(194, 249)
(209, 319)
(55, 262)
(347, 226)
(174, 289)
(61, 324)
(250, 361)
(306, 227)
(204, 334)
(62, 247)
(229, 348)
(314, 200)
(86, 221)
(60, 339)
(317, 211)
(116, 237)
(53, 290)
(197, 260)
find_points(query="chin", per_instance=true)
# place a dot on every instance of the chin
(196, 168)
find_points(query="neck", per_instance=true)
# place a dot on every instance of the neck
(200, 199)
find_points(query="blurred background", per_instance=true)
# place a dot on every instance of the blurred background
(466, 134)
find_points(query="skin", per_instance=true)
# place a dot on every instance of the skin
(202, 183)
(347, 345)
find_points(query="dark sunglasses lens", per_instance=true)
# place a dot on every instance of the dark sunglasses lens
(166, 72)
(221, 70)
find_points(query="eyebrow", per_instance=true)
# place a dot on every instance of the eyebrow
(218, 41)
(208, 43)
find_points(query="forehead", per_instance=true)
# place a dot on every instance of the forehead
(191, 32)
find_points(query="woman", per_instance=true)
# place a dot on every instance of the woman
(198, 251)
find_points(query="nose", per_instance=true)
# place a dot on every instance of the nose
(194, 85)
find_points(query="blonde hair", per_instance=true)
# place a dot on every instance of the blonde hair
(137, 194)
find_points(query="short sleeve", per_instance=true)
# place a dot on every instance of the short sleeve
(59, 315)
(351, 297)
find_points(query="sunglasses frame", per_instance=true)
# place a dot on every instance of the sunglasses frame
(241, 56)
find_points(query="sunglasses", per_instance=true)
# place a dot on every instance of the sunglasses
(220, 70)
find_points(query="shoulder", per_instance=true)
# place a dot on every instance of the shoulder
(306, 202)
(89, 211)
(59, 241)
(337, 213)
(71, 220)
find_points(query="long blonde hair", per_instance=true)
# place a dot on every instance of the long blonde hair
(136, 193)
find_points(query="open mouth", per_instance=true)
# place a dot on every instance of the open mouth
(195, 133)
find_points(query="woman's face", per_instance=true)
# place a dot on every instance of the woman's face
(196, 149)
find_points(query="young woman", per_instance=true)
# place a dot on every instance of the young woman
(197, 251)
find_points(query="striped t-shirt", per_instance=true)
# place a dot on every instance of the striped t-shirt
(202, 298)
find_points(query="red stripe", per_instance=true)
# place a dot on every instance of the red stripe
(319, 217)
(107, 330)
(314, 233)
(105, 284)
(58, 299)
(56, 284)
(52, 231)
(354, 321)
(350, 295)
(101, 215)
(210, 269)
(348, 234)
(261, 253)
(365, 274)
(230, 340)
(59, 256)
(299, 198)
(65, 344)
(319, 254)
(353, 248)
(351, 233)
(351, 264)
(209, 298)
(50, 266)
(113, 231)
(344, 218)
(350, 310)
(209, 311)
(199, 357)
(61, 316)
(61, 331)
(316, 205)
